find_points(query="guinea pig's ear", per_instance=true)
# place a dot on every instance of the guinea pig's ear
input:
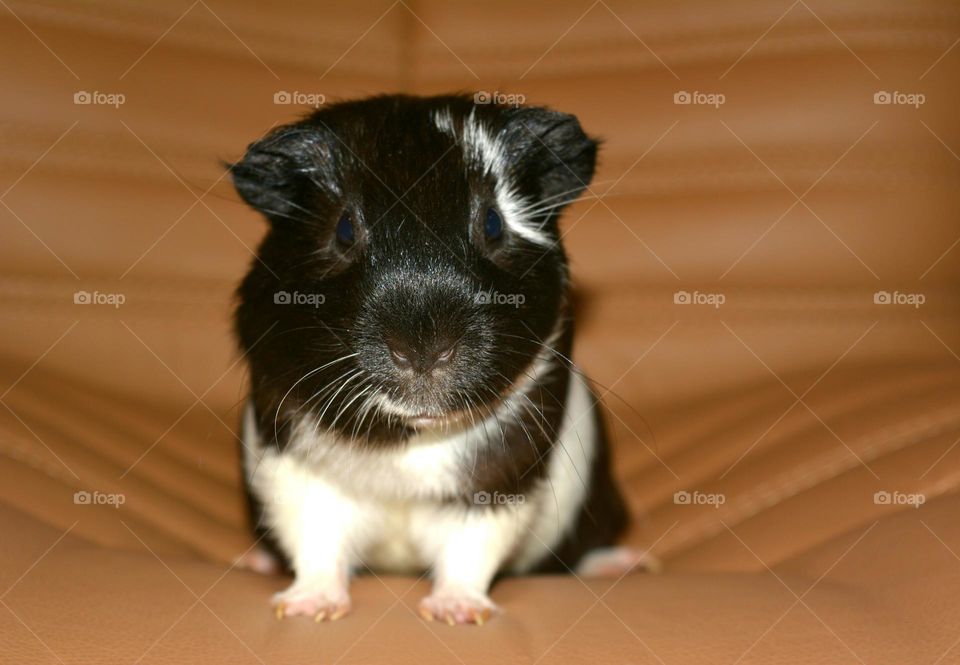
(277, 169)
(552, 148)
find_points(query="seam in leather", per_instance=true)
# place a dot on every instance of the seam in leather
(698, 34)
(826, 467)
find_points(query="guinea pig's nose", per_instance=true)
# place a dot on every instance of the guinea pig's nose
(421, 358)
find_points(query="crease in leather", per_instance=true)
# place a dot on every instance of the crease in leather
(563, 63)
(82, 445)
(201, 483)
(713, 42)
(123, 428)
(809, 475)
(158, 499)
(209, 506)
(798, 21)
(104, 529)
(888, 390)
(174, 522)
(122, 27)
(21, 451)
(924, 427)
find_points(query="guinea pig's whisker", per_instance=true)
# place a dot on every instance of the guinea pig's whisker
(493, 412)
(318, 327)
(321, 390)
(538, 458)
(503, 434)
(378, 412)
(326, 395)
(325, 390)
(565, 193)
(540, 418)
(333, 397)
(356, 393)
(292, 204)
(559, 195)
(535, 211)
(283, 214)
(276, 416)
(364, 410)
(538, 415)
(606, 390)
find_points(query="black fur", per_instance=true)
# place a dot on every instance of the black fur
(412, 274)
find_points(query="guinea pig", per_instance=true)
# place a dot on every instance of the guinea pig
(408, 328)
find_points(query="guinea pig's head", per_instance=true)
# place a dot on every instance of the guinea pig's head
(412, 272)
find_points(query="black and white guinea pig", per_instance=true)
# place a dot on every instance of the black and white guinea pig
(408, 332)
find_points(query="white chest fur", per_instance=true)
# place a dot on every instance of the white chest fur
(388, 506)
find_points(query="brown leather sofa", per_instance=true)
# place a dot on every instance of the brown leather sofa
(766, 270)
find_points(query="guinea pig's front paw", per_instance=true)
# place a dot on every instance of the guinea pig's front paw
(318, 601)
(457, 607)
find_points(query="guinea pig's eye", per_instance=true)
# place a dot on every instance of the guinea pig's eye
(492, 224)
(345, 229)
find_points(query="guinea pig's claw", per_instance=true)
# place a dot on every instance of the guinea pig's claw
(331, 614)
(454, 610)
(305, 601)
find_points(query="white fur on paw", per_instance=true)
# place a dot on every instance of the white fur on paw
(308, 600)
(457, 607)
(616, 561)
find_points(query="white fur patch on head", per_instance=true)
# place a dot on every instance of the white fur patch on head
(487, 152)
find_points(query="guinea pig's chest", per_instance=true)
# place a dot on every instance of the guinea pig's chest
(432, 467)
